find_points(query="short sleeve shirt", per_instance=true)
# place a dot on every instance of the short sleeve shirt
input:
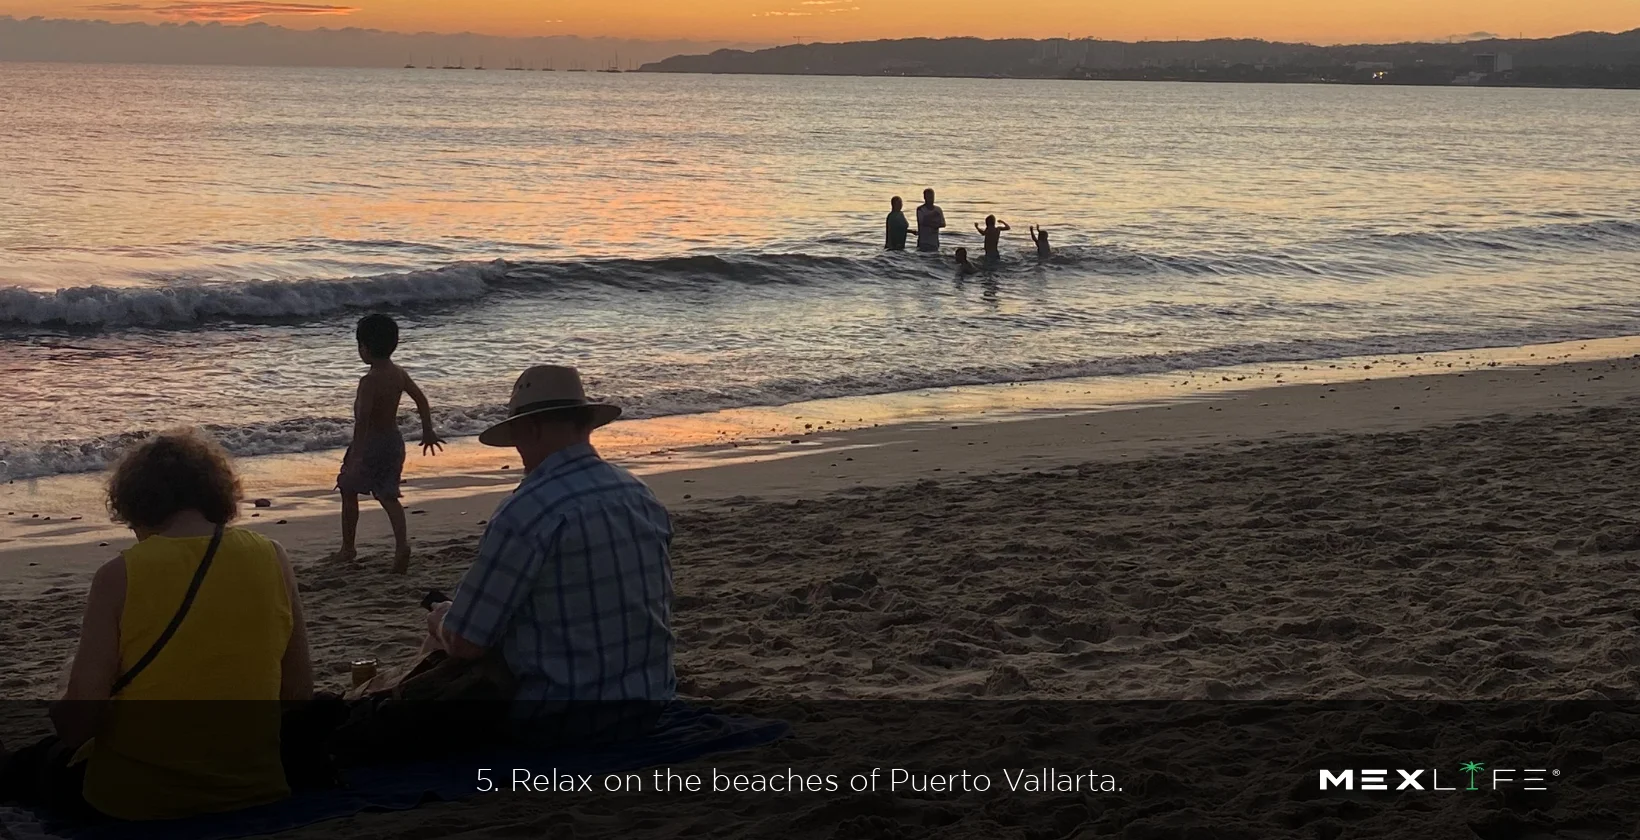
(930, 218)
(897, 229)
(573, 582)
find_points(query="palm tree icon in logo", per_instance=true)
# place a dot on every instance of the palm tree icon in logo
(1472, 768)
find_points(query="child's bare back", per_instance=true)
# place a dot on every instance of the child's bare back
(374, 463)
(376, 406)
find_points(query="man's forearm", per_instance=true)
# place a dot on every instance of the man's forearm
(456, 645)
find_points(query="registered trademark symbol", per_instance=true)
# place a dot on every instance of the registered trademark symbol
(1554, 772)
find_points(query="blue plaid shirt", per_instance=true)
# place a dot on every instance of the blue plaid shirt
(574, 584)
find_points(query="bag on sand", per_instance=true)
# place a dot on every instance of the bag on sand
(439, 706)
(44, 775)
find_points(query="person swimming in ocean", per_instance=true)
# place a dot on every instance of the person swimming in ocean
(898, 227)
(992, 231)
(1039, 235)
(964, 267)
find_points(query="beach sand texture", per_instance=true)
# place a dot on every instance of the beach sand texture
(1484, 560)
(1489, 559)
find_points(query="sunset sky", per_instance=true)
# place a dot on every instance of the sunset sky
(779, 21)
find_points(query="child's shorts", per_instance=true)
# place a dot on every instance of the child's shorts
(373, 466)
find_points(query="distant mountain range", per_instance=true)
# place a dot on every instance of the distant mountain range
(1589, 58)
(261, 44)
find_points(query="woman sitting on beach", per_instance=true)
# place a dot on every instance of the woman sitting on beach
(202, 617)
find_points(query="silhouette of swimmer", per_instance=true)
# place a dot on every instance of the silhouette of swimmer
(993, 236)
(963, 265)
(930, 218)
(1040, 237)
(898, 227)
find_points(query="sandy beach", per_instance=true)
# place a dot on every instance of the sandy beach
(1285, 491)
(1465, 536)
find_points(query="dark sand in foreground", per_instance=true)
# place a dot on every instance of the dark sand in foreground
(1485, 560)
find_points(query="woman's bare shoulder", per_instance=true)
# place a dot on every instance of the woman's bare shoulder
(110, 577)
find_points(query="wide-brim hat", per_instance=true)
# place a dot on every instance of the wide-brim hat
(544, 389)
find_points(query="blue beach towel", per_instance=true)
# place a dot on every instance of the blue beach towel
(685, 733)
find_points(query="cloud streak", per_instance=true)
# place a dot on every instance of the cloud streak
(230, 11)
(830, 11)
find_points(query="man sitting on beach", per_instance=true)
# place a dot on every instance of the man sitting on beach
(573, 580)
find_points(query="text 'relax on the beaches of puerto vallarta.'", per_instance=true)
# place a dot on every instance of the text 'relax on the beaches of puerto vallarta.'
(894, 780)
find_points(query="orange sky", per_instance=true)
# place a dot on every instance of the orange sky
(775, 21)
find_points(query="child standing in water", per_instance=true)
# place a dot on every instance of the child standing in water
(375, 459)
(1039, 235)
(992, 231)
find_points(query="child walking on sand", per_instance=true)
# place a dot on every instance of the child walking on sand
(375, 459)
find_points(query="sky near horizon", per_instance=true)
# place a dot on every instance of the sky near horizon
(785, 21)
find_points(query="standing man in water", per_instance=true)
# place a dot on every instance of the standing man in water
(930, 218)
(898, 227)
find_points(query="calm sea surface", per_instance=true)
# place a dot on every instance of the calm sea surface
(193, 245)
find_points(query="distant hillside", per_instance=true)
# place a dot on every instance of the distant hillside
(1585, 58)
(261, 44)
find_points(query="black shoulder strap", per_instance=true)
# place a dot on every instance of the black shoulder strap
(176, 620)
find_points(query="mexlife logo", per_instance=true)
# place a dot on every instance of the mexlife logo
(1417, 780)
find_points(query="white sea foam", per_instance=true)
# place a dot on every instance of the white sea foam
(27, 459)
(187, 304)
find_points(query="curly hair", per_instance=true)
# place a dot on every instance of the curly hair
(173, 472)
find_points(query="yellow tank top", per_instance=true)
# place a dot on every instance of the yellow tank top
(198, 730)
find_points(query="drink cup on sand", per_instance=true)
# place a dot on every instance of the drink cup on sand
(364, 670)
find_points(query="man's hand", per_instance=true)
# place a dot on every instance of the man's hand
(431, 444)
(450, 643)
(435, 621)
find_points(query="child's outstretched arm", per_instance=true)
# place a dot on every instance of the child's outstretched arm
(430, 442)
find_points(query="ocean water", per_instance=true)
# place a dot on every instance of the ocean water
(193, 245)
